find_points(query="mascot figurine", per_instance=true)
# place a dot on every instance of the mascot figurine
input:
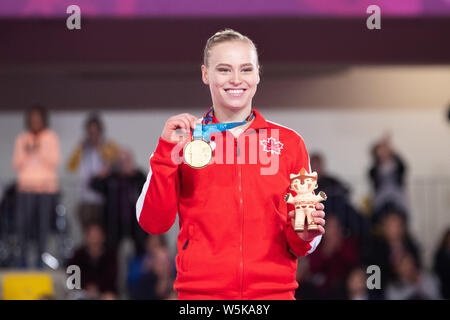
(305, 201)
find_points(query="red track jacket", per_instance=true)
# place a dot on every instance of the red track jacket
(236, 240)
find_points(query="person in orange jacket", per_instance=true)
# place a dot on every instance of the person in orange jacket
(236, 238)
(92, 157)
(36, 159)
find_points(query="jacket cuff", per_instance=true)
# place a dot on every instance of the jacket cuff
(297, 246)
(166, 152)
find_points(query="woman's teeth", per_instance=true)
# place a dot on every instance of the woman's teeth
(235, 93)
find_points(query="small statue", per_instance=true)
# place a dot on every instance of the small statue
(305, 201)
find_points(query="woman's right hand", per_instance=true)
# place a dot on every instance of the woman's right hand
(177, 128)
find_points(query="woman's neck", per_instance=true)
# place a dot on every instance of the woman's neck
(227, 115)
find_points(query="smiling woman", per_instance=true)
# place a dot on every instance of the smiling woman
(231, 69)
(236, 239)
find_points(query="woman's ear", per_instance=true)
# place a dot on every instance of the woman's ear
(205, 76)
(259, 78)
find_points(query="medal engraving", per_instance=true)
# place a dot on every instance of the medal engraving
(197, 153)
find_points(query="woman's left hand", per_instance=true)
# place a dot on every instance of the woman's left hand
(318, 218)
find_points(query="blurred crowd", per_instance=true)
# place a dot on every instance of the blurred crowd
(119, 260)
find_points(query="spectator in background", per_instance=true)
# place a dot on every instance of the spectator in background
(410, 283)
(442, 264)
(8, 213)
(387, 176)
(354, 223)
(329, 184)
(333, 260)
(356, 286)
(307, 289)
(121, 185)
(151, 275)
(36, 159)
(89, 158)
(98, 265)
(390, 244)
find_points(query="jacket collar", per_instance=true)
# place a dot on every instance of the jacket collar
(258, 122)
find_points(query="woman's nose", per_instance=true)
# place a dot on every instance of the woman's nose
(236, 77)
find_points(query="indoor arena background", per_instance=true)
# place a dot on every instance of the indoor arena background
(341, 86)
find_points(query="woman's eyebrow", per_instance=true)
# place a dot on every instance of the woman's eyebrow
(229, 65)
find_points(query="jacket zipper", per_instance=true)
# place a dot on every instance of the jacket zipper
(241, 213)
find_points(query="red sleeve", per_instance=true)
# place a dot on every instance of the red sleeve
(297, 245)
(157, 205)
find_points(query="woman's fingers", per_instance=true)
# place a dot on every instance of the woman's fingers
(321, 230)
(178, 127)
(177, 123)
(315, 214)
(320, 206)
(319, 221)
(318, 214)
(192, 120)
(185, 121)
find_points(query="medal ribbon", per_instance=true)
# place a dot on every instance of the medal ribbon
(204, 130)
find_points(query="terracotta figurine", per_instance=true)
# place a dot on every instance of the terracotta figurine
(305, 201)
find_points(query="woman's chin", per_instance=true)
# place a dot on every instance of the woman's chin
(234, 105)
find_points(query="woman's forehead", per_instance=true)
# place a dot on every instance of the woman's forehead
(234, 53)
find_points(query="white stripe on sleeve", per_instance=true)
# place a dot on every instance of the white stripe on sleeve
(140, 201)
(314, 243)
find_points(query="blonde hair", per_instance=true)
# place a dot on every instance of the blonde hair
(224, 36)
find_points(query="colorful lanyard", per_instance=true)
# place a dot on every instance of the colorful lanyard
(204, 130)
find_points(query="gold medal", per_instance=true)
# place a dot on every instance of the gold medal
(197, 153)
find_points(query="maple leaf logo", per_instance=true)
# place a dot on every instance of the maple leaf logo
(271, 145)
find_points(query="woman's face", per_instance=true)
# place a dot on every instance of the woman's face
(36, 121)
(393, 227)
(356, 281)
(232, 75)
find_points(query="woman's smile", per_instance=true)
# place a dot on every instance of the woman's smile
(235, 93)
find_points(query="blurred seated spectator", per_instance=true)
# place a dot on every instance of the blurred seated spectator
(333, 260)
(7, 228)
(89, 158)
(332, 186)
(354, 224)
(391, 242)
(387, 176)
(98, 265)
(151, 275)
(306, 289)
(121, 185)
(356, 286)
(442, 264)
(410, 283)
(36, 159)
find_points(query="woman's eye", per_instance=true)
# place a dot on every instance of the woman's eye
(248, 70)
(223, 69)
